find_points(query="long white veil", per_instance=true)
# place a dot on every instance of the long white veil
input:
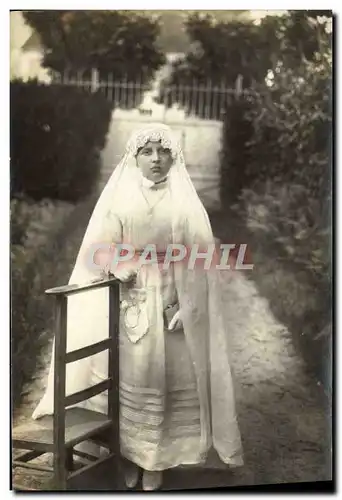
(208, 349)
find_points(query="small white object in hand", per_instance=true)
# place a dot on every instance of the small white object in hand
(125, 274)
(176, 322)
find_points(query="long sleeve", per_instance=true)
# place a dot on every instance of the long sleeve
(109, 234)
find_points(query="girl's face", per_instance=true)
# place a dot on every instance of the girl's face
(154, 161)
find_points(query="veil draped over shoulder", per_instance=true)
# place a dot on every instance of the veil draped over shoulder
(197, 290)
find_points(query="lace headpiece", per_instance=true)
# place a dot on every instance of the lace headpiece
(155, 133)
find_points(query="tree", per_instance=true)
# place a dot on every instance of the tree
(220, 50)
(223, 50)
(297, 36)
(115, 42)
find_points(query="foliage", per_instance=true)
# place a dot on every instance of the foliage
(285, 142)
(34, 267)
(291, 246)
(293, 119)
(57, 134)
(20, 219)
(118, 42)
(274, 211)
(235, 155)
(298, 111)
(276, 172)
(173, 37)
(220, 51)
(225, 52)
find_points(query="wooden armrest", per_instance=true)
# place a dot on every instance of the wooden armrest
(74, 288)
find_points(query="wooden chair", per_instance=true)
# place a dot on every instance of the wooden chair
(60, 433)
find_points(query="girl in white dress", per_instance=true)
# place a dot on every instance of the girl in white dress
(176, 393)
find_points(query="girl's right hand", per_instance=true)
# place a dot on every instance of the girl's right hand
(124, 274)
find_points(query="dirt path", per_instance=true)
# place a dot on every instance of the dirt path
(283, 418)
(281, 413)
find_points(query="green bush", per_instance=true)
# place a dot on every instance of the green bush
(289, 217)
(221, 52)
(121, 43)
(235, 154)
(294, 120)
(35, 266)
(224, 52)
(276, 172)
(20, 219)
(57, 134)
(281, 133)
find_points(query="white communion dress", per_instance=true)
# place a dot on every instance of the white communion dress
(176, 389)
(159, 418)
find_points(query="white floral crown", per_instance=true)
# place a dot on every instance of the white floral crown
(157, 133)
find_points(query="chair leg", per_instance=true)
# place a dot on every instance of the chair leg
(69, 462)
(60, 470)
(114, 447)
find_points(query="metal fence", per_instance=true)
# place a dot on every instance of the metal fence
(124, 94)
(204, 100)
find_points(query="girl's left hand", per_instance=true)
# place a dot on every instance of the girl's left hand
(176, 322)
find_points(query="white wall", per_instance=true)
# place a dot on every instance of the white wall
(24, 64)
(20, 32)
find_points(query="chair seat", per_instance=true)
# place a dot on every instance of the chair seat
(79, 424)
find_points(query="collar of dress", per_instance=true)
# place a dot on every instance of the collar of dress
(150, 184)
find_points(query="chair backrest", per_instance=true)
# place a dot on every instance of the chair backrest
(62, 358)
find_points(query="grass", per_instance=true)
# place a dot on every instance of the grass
(44, 261)
(291, 295)
(283, 419)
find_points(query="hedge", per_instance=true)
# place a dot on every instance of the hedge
(276, 177)
(57, 134)
(35, 266)
(52, 234)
